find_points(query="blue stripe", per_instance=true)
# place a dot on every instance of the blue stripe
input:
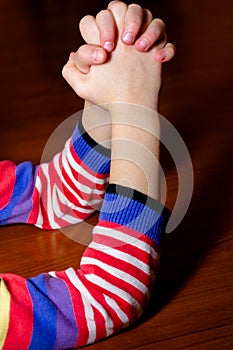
(20, 205)
(44, 315)
(95, 160)
(133, 214)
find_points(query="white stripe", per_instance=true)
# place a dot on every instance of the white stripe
(52, 274)
(39, 220)
(81, 187)
(113, 304)
(116, 273)
(64, 200)
(66, 217)
(48, 194)
(121, 256)
(60, 197)
(114, 289)
(81, 201)
(88, 301)
(126, 239)
(83, 172)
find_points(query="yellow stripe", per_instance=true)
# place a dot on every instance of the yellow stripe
(4, 312)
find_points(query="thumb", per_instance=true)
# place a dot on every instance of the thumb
(88, 55)
(75, 78)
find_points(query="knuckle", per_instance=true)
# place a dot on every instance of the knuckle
(136, 13)
(115, 5)
(64, 71)
(101, 14)
(84, 20)
(135, 7)
(79, 52)
(160, 22)
(147, 14)
(171, 46)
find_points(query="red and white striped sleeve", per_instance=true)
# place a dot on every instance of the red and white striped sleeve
(107, 293)
(62, 192)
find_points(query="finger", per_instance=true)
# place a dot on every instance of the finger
(147, 19)
(74, 77)
(167, 53)
(118, 9)
(89, 30)
(88, 55)
(133, 23)
(153, 33)
(107, 29)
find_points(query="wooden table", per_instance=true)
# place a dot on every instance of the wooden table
(192, 304)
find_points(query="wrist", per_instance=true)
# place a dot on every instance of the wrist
(135, 116)
(135, 148)
(97, 122)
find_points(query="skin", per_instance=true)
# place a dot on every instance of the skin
(101, 30)
(130, 69)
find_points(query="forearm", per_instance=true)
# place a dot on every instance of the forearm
(64, 191)
(135, 148)
(97, 122)
(110, 290)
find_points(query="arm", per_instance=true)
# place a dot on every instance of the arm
(37, 195)
(62, 192)
(111, 288)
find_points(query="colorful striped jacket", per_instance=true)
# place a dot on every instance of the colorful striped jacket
(75, 307)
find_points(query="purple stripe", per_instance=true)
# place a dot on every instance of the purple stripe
(23, 191)
(67, 331)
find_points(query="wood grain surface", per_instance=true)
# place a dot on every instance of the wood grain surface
(192, 303)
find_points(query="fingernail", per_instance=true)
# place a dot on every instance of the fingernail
(143, 44)
(98, 55)
(161, 56)
(108, 45)
(128, 38)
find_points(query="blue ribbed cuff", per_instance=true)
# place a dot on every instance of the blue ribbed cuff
(94, 155)
(133, 209)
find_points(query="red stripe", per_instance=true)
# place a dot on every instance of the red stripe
(115, 262)
(129, 231)
(21, 313)
(97, 293)
(82, 180)
(66, 210)
(117, 323)
(117, 282)
(83, 165)
(40, 200)
(91, 186)
(76, 174)
(7, 182)
(125, 247)
(100, 324)
(43, 200)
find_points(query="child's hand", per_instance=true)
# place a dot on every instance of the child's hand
(101, 32)
(139, 28)
(129, 75)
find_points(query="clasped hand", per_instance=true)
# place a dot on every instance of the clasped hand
(122, 59)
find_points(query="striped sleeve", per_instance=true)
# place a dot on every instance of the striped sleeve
(73, 308)
(56, 194)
